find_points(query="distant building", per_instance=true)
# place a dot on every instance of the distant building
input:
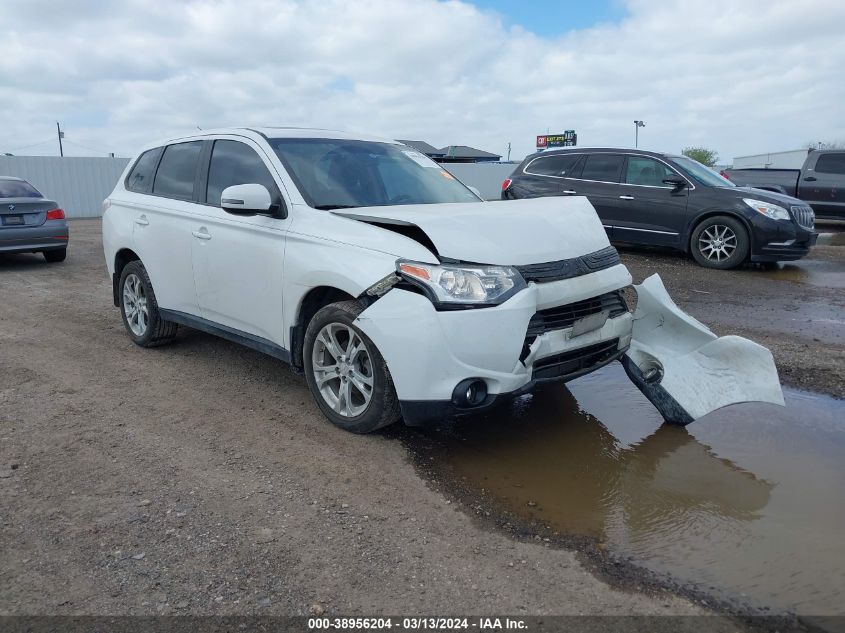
(790, 159)
(453, 153)
(424, 148)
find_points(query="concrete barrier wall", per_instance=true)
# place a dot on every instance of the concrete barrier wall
(78, 184)
(486, 177)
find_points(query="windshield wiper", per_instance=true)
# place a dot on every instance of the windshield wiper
(331, 207)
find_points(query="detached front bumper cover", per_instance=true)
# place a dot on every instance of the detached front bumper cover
(684, 369)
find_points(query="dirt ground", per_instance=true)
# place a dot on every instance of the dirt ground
(201, 478)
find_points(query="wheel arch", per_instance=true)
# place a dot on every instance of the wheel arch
(121, 258)
(312, 301)
(712, 213)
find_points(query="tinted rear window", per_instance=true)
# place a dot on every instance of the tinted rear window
(555, 165)
(18, 189)
(831, 164)
(141, 176)
(176, 172)
(604, 167)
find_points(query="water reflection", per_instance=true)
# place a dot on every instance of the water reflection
(547, 458)
(749, 499)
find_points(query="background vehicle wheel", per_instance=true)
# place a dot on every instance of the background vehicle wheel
(719, 242)
(139, 308)
(346, 373)
(55, 256)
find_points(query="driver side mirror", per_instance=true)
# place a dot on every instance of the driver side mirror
(246, 199)
(675, 181)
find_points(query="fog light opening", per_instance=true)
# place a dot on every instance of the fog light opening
(471, 392)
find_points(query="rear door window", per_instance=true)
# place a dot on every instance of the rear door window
(235, 163)
(559, 165)
(177, 170)
(603, 167)
(641, 170)
(17, 189)
(831, 164)
(141, 177)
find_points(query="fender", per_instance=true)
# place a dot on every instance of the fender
(684, 369)
(704, 214)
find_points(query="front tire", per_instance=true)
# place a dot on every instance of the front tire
(55, 256)
(720, 242)
(346, 374)
(139, 308)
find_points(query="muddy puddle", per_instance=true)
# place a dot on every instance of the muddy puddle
(748, 503)
(821, 273)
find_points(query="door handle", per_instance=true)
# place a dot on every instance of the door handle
(569, 192)
(626, 197)
(142, 220)
(201, 234)
(810, 178)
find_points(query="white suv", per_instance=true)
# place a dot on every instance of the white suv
(394, 287)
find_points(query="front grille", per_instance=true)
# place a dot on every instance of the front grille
(568, 268)
(574, 363)
(804, 216)
(561, 317)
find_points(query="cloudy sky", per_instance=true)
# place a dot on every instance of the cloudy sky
(739, 77)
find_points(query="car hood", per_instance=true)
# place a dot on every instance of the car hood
(769, 196)
(512, 232)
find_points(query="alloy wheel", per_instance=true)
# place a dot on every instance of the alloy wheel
(717, 242)
(135, 305)
(342, 369)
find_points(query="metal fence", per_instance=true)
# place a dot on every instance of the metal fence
(486, 177)
(77, 184)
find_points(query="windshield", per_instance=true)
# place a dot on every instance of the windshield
(17, 189)
(338, 173)
(701, 173)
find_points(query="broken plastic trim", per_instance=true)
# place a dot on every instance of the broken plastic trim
(684, 369)
(383, 285)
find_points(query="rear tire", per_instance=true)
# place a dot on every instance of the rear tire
(720, 242)
(346, 373)
(139, 308)
(55, 256)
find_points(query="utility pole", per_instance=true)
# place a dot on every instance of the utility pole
(637, 126)
(509, 151)
(61, 136)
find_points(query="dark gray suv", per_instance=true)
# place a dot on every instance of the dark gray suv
(668, 200)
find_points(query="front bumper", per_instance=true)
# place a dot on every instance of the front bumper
(430, 352)
(52, 235)
(780, 240)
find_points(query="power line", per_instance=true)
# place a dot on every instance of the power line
(28, 146)
(90, 149)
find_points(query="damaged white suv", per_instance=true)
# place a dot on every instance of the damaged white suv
(394, 287)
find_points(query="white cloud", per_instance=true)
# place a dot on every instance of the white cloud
(738, 77)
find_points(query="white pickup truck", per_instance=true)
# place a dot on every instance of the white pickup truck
(394, 287)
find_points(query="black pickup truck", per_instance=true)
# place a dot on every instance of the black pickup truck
(820, 182)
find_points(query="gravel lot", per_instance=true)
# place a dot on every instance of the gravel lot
(201, 478)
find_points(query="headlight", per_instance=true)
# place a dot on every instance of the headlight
(465, 285)
(767, 208)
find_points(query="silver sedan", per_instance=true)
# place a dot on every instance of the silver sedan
(29, 222)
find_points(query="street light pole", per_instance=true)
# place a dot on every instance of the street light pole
(637, 126)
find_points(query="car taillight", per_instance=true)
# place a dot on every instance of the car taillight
(506, 183)
(724, 175)
(55, 214)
